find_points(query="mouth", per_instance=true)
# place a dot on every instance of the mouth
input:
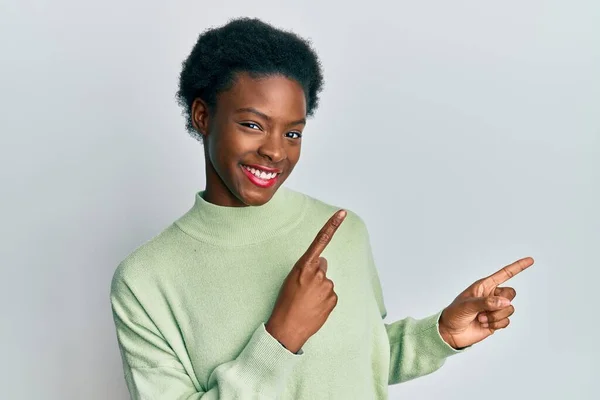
(261, 177)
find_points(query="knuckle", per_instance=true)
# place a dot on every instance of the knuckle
(479, 289)
(329, 284)
(304, 269)
(303, 277)
(320, 275)
(324, 237)
(334, 300)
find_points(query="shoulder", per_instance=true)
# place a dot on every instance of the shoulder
(320, 211)
(148, 262)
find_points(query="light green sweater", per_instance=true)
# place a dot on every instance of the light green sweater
(190, 307)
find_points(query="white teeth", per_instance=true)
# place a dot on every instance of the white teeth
(261, 174)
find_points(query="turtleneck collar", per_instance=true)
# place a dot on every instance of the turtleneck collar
(242, 226)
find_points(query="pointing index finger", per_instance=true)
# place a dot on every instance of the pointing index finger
(510, 270)
(324, 236)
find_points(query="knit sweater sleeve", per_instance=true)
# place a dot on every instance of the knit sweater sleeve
(416, 346)
(153, 370)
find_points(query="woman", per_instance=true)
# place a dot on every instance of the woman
(259, 291)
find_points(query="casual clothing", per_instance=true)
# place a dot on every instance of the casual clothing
(190, 308)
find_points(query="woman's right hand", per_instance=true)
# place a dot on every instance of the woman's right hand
(306, 297)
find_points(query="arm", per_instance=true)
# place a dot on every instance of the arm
(153, 370)
(416, 346)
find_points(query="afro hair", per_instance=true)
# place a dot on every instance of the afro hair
(246, 45)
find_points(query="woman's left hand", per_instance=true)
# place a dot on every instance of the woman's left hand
(482, 308)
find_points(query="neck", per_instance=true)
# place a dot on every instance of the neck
(221, 199)
(239, 226)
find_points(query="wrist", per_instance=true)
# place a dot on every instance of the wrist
(445, 335)
(291, 344)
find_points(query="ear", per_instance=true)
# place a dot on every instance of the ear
(199, 115)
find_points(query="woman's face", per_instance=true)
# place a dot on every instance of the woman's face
(252, 141)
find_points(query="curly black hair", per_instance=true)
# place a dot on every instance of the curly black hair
(246, 45)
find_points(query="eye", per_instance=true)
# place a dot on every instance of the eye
(251, 125)
(298, 134)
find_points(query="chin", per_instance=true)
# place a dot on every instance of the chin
(257, 196)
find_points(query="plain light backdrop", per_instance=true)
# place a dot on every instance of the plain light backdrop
(465, 133)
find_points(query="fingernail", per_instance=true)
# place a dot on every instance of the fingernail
(483, 318)
(504, 302)
(342, 214)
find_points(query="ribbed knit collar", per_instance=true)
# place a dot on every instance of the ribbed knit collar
(242, 226)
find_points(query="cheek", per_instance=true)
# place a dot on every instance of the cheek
(229, 150)
(215, 153)
(294, 154)
(219, 151)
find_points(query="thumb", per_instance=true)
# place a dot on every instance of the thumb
(490, 303)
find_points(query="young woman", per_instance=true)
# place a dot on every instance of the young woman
(259, 291)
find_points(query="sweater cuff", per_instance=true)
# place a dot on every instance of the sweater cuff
(429, 330)
(264, 363)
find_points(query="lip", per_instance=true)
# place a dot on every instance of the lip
(262, 183)
(262, 167)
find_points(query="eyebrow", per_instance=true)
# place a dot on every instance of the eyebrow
(265, 116)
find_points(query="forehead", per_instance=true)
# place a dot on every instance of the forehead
(276, 96)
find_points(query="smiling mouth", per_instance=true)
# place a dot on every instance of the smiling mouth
(260, 178)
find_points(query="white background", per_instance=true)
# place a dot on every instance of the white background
(465, 133)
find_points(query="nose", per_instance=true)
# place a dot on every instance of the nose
(273, 148)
